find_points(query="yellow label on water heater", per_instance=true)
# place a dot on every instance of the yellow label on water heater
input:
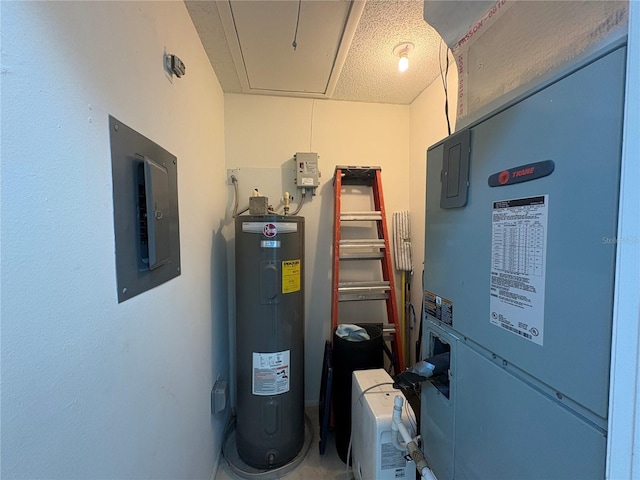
(290, 276)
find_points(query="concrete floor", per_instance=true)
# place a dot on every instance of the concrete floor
(314, 466)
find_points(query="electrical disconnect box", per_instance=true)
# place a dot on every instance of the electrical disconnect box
(307, 173)
(258, 205)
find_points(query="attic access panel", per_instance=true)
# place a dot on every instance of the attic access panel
(260, 36)
(145, 211)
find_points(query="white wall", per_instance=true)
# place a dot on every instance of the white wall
(428, 126)
(90, 388)
(266, 132)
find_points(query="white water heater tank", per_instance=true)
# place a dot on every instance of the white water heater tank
(374, 457)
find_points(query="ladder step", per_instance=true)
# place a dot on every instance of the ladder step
(360, 216)
(351, 287)
(389, 329)
(363, 243)
(352, 175)
(360, 297)
(361, 256)
(359, 291)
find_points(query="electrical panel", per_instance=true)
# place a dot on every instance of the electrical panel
(145, 210)
(455, 170)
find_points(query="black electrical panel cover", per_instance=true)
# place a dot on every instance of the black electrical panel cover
(145, 211)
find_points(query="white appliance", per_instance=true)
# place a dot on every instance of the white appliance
(374, 457)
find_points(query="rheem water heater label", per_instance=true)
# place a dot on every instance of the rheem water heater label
(518, 259)
(271, 373)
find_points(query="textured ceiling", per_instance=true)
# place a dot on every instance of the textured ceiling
(370, 71)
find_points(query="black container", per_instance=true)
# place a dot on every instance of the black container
(348, 357)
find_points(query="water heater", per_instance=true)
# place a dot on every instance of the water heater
(269, 339)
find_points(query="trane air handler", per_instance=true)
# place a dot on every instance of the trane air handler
(521, 218)
(270, 425)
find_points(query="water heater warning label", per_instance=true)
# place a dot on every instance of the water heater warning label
(518, 259)
(290, 276)
(271, 373)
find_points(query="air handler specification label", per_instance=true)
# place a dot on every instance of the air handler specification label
(518, 260)
(271, 373)
(290, 276)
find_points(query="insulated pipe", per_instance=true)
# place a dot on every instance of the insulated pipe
(286, 200)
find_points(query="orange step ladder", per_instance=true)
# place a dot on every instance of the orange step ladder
(373, 249)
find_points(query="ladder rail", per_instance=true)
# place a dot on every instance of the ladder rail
(335, 295)
(387, 267)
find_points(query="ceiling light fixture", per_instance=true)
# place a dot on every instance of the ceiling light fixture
(403, 50)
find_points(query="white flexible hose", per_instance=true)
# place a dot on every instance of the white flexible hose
(410, 444)
(402, 241)
(398, 427)
(427, 474)
(406, 436)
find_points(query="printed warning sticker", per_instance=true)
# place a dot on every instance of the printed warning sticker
(290, 276)
(392, 459)
(438, 307)
(518, 259)
(271, 373)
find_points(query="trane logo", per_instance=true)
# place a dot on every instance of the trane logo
(270, 230)
(503, 177)
(524, 171)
